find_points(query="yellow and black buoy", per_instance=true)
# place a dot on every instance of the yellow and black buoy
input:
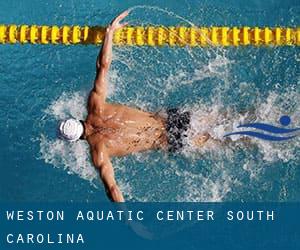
(152, 35)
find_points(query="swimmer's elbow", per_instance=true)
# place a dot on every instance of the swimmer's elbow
(105, 63)
(99, 163)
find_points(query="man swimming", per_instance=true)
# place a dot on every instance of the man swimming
(117, 130)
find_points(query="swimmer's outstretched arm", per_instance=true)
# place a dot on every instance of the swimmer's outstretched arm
(103, 164)
(105, 56)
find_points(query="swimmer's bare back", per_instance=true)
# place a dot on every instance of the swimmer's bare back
(123, 130)
(113, 129)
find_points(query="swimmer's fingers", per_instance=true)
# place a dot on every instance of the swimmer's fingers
(122, 25)
(115, 24)
(122, 16)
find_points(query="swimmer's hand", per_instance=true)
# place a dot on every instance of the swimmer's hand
(115, 24)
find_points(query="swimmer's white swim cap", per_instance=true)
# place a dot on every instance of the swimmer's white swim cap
(70, 129)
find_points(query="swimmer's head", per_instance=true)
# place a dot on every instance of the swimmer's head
(70, 130)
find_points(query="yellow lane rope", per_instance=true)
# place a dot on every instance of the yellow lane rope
(152, 35)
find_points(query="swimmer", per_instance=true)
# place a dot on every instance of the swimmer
(114, 130)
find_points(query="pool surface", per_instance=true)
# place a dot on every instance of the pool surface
(42, 84)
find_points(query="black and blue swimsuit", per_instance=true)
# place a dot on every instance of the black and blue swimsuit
(177, 125)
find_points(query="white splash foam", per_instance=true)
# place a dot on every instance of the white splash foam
(72, 157)
(214, 118)
(216, 121)
(68, 105)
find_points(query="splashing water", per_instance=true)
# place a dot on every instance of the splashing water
(220, 93)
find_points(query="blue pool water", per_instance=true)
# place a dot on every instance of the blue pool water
(42, 84)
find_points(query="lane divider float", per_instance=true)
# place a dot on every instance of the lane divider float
(152, 35)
